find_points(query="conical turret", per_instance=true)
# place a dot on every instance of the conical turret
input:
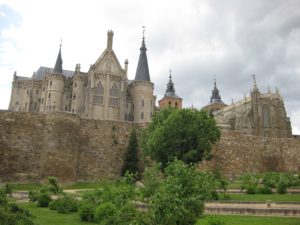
(58, 64)
(215, 97)
(142, 71)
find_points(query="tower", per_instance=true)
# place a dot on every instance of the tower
(215, 102)
(53, 89)
(170, 98)
(143, 101)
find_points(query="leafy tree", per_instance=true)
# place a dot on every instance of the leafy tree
(185, 134)
(131, 158)
(181, 195)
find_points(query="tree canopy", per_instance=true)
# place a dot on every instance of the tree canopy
(185, 134)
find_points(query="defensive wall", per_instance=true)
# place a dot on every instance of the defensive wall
(34, 146)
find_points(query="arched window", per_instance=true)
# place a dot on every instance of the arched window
(266, 117)
(98, 94)
(142, 115)
(143, 103)
(114, 96)
(50, 82)
(74, 97)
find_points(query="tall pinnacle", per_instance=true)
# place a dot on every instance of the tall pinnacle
(215, 97)
(59, 62)
(255, 88)
(170, 86)
(142, 71)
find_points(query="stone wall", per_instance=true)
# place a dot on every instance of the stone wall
(236, 154)
(35, 145)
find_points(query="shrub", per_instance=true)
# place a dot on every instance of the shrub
(215, 221)
(264, 190)
(54, 188)
(152, 180)
(86, 211)
(43, 200)
(105, 212)
(249, 183)
(281, 188)
(65, 204)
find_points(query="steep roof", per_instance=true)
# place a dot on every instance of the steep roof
(59, 62)
(170, 92)
(40, 73)
(142, 71)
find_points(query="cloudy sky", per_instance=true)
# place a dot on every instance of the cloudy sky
(195, 38)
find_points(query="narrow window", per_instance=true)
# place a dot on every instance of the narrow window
(50, 82)
(142, 115)
(74, 97)
(75, 84)
(265, 111)
(143, 103)
(49, 96)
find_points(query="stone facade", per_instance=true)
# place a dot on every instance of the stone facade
(261, 114)
(103, 93)
(237, 154)
(36, 145)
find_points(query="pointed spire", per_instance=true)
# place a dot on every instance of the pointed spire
(170, 86)
(142, 71)
(59, 62)
(255, 88)
(215, 97)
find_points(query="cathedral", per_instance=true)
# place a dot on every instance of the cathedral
(260, 114)
(102, 93)
(105, 93)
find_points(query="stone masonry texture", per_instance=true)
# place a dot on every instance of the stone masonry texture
(34, 146)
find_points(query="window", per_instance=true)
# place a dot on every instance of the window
(50, 82)
(42, 100)
(176, 104)
(43, 88)
(142, 115)
(98, 94)
(150, 115)
(17, 103)
(49, 96)
(37, 92)
(143, 103)
(35, 105)
(114, 96)
(265, 111)
(169, 103)
(66, 108)
(74, 97)
(75, 85)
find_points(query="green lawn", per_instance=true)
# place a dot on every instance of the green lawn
(45, 216)
(263, 198)
(251, 220)
(85, 185)
(25, 187)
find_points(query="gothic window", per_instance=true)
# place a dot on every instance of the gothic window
(266, 119)
(169, 103)
(143, 103)
(142, 115)
(75, 85)
(49, 96)
(35, 105)
(66, 108)
(113, 96)
(50, 82)
(74, 97)
(98, 94)
(43, 88)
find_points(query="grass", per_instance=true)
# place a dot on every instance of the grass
(251, 220)
(25, 187)
(263, 198)
(45, 216)
(84, 185)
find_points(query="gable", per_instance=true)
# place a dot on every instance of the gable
(108, 63)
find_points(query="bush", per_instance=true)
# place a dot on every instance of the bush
(249, 183)
(64, 205)
(43, 199)
(86, 211)
(264, 190)
(215, 221)
(105, 212)
(281, 188)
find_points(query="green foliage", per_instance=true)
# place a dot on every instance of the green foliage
(187, 135)
(54, 188)
(264, 190)
(131, 159)
(43, 199)
(65, 204)
(215, 221)
(152, 180)
(281, 187)
(12, 214)
(86, 211)
(249, 183)
(180, 197)
(104, 213)
(8, 189)
(130, 178)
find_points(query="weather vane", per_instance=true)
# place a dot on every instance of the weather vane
(143, 31)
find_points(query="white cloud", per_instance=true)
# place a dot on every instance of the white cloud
(197, 39)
